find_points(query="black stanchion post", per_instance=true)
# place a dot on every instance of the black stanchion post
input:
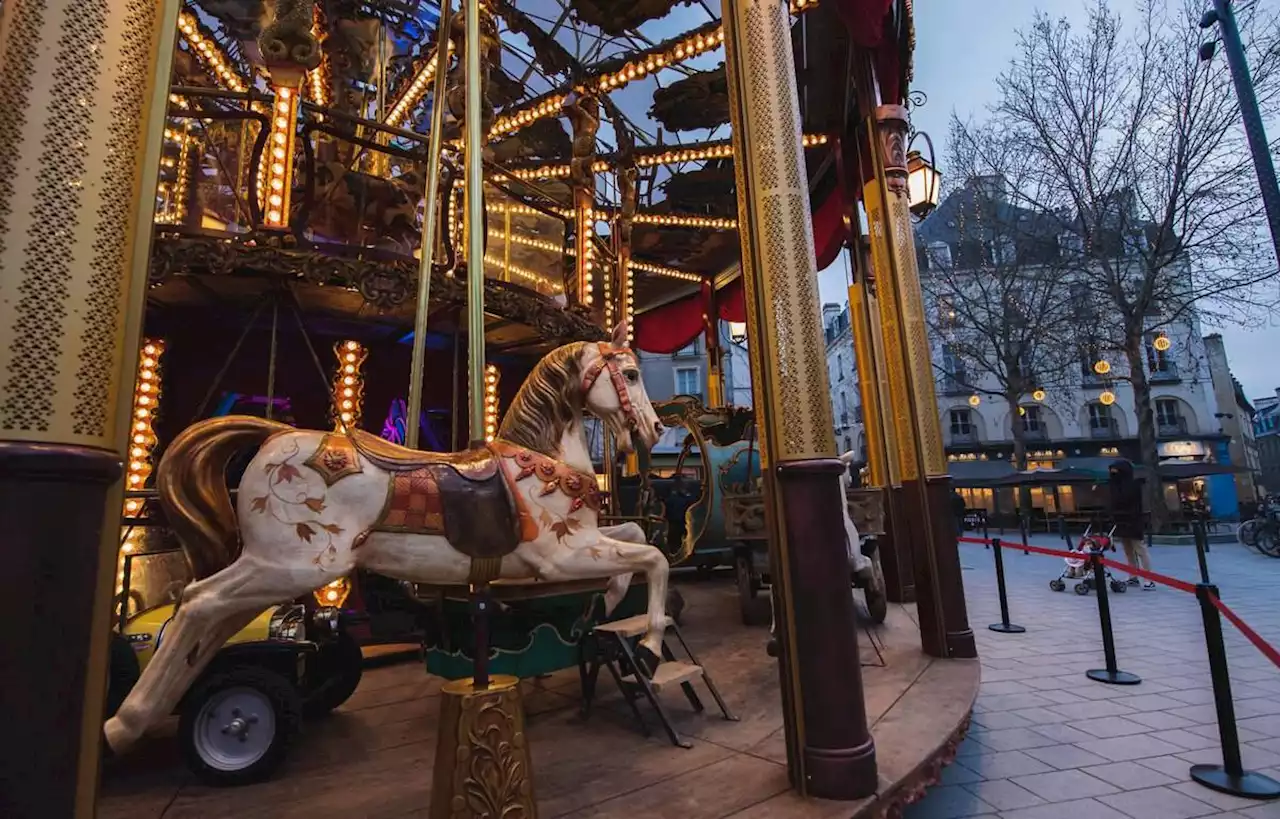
(1229, 777)
(986, 532)
(1004, 626)
(1204, 523)
(1201, 538)
(1110, 674)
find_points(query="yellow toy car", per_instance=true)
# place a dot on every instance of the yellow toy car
(240, 716)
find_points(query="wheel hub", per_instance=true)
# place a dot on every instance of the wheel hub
(235, 728)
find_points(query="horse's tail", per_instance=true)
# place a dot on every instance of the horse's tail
(192, 484)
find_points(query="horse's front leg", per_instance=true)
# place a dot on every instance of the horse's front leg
(630, 532)
(608, 557)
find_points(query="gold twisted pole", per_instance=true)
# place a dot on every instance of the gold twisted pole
(429, 218)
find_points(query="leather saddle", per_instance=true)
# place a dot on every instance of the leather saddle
(464, 496)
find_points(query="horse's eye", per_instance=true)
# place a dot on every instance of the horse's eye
(633, 376)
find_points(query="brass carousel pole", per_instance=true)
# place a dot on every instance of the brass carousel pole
(85, 85)
(925, 487)
(430, 217)
(481, 714)
(830, 752)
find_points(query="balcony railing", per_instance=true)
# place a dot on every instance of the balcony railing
(1166, 373)
(969, 436)
(955, 385)
(1171, 428)
(1037, 434)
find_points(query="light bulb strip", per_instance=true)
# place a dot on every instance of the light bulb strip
(417, 88)
(279, 158)
(650, 61)
(536, 279)
(694, 153)
(209, 53)
(142, 441)
(659, 270)
(318, 77)
(529, 241)
(689, 220)
(348, 385)
(491, 376)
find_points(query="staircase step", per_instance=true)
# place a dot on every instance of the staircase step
(631, 626)
(671, 673)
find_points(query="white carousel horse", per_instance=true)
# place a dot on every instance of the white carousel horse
(858, 562)
(314, 506)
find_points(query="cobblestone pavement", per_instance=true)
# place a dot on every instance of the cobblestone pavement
(1046, 742)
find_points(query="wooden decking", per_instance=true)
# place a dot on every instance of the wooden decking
(372, 758)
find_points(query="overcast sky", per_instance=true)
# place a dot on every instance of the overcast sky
(961, 48)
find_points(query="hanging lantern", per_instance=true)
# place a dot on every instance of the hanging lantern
(1102, 366)
(1162, 343)
(974, 400)
(1038, 395)
(1107, 398)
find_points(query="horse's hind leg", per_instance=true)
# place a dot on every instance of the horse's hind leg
(212, 610)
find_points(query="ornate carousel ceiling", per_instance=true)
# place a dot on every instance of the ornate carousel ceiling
(347, 209)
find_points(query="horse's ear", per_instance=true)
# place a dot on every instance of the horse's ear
(620, 335)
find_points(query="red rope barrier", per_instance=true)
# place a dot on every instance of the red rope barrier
(1252, 636)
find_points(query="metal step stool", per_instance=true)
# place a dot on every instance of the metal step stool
(613, 646)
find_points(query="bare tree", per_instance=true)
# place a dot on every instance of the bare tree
(998, 299)
(1138, 146)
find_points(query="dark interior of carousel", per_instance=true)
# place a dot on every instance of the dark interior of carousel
(286, 282)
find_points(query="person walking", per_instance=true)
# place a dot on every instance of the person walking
(1126, 516)
(958, 510)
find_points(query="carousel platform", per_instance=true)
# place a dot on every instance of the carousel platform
(373, 757)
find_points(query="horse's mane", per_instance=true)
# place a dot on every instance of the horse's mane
(546, 404)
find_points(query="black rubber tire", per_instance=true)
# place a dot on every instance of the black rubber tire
(285, 701)
(755, 608)
(122, 674)
(1081, 589)
(1119, 587)
(336, 669)
(1057, 585)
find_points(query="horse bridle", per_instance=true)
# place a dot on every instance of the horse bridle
(608, 361)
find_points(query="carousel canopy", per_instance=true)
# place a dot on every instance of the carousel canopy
(298, 148)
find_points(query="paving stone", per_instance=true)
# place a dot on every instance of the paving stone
(1060, 786)
(1013, 739)
(995, 720)
(1221, 801)
(957, 774)
(1004, 794)
(1136, 746)
(1091, 709)
(1186, 739)
(949, 802)
(1130, 775)
(990, 765)
(1063, 732)
(1075, 809)
(1063, 757)
(1158, 803)
(1162, 720)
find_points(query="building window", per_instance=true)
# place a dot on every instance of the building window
(1099, 417)
(840, 366)
(1167, 413)
(1031, 419)
(688, 350)
(961, 422)
(1157, 360)
(955, 379)
(688, 382)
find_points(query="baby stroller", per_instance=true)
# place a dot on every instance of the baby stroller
(1080, 566)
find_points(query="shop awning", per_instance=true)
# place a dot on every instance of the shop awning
(977, 474)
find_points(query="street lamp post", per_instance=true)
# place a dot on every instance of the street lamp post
(1224, 16)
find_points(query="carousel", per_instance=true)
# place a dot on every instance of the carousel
(367, 404)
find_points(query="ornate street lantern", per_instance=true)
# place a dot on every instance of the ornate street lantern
(924, 180)
(738, 331)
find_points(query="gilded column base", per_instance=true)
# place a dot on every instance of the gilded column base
(482, 766)
(52, 499)
(839, 753)
(944, 620)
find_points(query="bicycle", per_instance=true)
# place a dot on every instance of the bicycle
(1262, 533)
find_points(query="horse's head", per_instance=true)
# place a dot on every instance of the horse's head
(619, 400)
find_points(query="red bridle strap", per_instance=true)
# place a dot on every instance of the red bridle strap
(608, 360)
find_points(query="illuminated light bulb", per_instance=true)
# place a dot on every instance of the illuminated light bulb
(348, 380)
(346, 417)
(1162, 343)
(974, 400)
(1102, 367)
(331, 595)
(1038, 395)
(1107, 398)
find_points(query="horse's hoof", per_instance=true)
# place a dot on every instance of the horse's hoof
(771, 648)
(647, 661)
